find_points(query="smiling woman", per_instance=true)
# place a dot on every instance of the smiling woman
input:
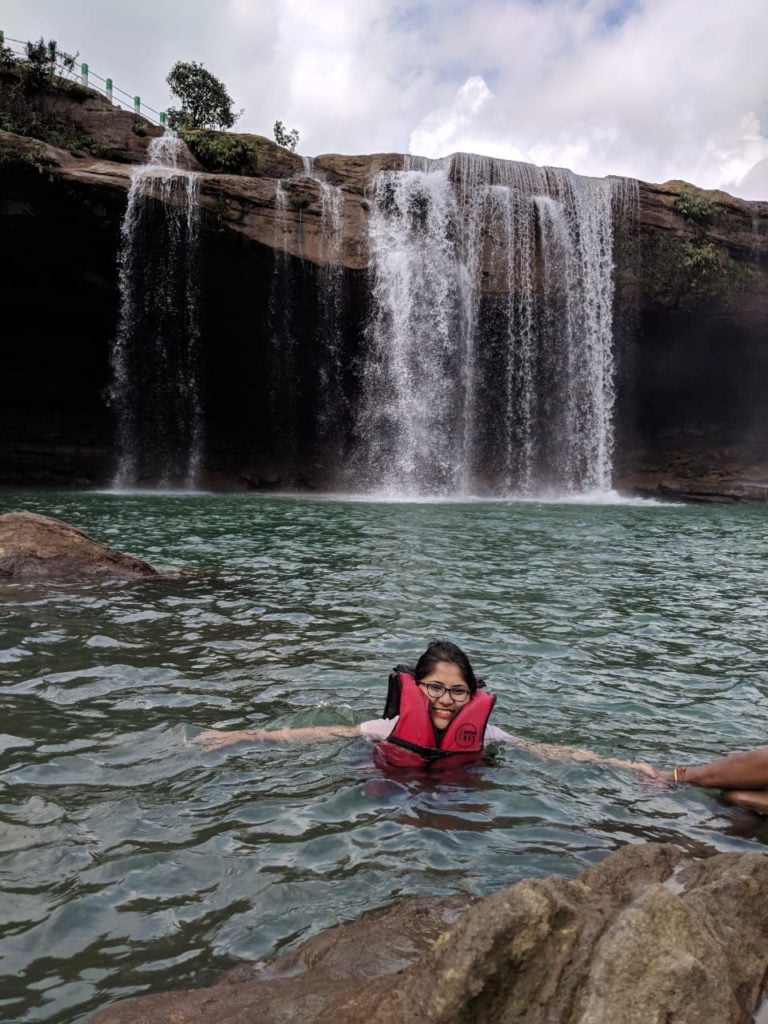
(435, 712)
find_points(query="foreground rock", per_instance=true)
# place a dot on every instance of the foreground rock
(41, 547)
(646, 937)
(322, 973)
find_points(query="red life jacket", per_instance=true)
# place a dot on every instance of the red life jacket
(414, 742)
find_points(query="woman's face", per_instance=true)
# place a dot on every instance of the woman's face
(443, 708)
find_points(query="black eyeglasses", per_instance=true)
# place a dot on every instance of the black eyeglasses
(458, 694)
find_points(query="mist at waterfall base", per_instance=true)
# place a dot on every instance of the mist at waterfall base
(132, 861)
(466, 380)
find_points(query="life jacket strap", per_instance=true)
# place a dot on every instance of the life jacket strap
(429, 753)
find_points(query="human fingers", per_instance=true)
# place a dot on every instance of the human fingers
(214, 739)
(654, 777)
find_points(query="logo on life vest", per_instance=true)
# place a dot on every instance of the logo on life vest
(466, 736)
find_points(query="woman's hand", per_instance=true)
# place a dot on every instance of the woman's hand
(214, 739)
(648, 771)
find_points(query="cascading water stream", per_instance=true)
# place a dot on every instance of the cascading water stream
(306, 419)
(411, 422)
(155, 389)
(329, 334)
(491, 362)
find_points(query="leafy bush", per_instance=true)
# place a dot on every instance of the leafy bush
(695, 208)
(29, 109)
(205, 102)
(704, 259)
(220, 151)
(686, 276)
(8, 59)
(37, 67)
(75, 90)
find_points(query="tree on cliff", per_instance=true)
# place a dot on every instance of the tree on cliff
(205, 102)
(283, 137)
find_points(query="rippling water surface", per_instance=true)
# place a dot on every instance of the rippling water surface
(131, 861)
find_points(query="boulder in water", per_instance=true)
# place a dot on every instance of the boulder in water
(648, 936)
(41, 547)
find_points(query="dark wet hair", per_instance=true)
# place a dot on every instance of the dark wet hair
(444, 650)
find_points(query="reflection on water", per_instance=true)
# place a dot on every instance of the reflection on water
(131, 861)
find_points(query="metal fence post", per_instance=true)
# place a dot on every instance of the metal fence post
(137, 104)
(2, 38)
(108, 84)
(163, 119)
(84, 74)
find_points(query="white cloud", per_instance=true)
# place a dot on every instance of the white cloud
(673, 91)
(436, 134)
(654, 89)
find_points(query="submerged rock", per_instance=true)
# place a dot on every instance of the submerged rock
(646, 937)
(41, 547)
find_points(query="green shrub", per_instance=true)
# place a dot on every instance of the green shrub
(8, 59)
(76, 90)
(703, 260)
(687, 276)
(695, 208)
(30, 115)
(223, 152)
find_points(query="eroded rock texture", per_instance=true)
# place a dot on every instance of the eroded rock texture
(646, 937)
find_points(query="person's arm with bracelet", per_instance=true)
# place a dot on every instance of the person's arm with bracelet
(744, 777)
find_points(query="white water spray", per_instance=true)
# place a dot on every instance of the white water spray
(491, 363)
(155, 388)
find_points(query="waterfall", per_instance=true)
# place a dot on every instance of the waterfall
(331, 397)
(306, 371)
(155, 388)
(490, 364)
(412, 422)
(282, 367)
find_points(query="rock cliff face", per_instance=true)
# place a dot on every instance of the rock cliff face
(692, 313)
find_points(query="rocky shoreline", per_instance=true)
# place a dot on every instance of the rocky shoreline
(648, 936)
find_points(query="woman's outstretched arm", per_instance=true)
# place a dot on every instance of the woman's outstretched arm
(557, 753)
(213, 739)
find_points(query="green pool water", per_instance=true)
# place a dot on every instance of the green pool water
(131, 861)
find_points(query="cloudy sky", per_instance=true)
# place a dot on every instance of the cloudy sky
(655, 89)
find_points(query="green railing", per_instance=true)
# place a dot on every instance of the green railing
(87, 77)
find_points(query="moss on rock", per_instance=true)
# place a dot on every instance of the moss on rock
(687, 274)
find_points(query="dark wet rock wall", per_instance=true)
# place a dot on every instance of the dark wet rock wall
(691, 321)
